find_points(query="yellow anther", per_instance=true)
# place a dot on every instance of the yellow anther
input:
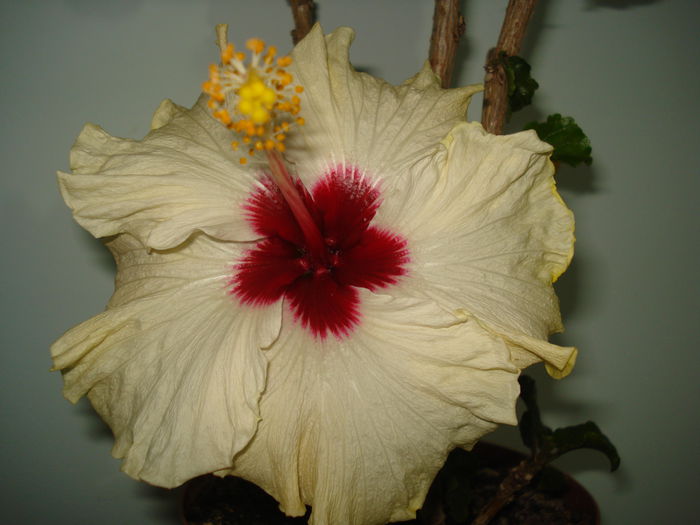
(223, 116)
(257, 88)
(243, 160)
(245, 106)
(246, 91)
(255, 45)
(300, 121)
(268, 97)
(256, 100)
(285, 78)
(260, 115)
(270, 56)
(227, 54)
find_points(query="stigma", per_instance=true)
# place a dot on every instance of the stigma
(253, 95)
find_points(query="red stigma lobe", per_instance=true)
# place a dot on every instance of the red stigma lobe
(317, 257)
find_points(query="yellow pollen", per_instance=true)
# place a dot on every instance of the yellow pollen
(260, 115)
(270, 56)
(223, 116)
(255, 45)
(227, 54)
(256, 98)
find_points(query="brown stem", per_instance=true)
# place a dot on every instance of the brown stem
(495, 106)
(448, 28)
(304, 13)
(518, 478)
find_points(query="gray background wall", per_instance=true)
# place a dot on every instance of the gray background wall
(627, 70)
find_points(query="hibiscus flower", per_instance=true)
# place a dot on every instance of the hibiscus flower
(331, 334)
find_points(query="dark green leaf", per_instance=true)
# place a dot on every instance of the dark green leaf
(521, 86)
(532, 431)
(586, 435)
(571, 145)
(458, 472)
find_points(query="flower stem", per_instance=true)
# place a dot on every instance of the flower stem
(495, 108)
(304, 12)
(448, 28)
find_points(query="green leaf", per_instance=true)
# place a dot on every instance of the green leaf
(521, 86)
(532, 431)
(548, 444)
(570, 143)
(585, 435)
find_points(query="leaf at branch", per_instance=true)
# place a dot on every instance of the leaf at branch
(586, 435)
(521, 86)
(570, 143)
(532, 431)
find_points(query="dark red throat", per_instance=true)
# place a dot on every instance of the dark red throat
(317, 248)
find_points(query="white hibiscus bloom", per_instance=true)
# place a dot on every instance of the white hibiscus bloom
(333, 358)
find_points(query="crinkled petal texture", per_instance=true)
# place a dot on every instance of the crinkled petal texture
(357, 119)
(181, 178)
(490, 236)
(359, 428)
(173, 366)
(193, 381)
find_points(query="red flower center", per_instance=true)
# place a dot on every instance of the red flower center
(318, 256)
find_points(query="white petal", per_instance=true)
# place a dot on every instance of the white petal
(358, 428)
(181, 178)
(174, 366)
(490, 236)
(354, 118)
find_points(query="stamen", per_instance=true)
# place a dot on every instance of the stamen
(255, 100)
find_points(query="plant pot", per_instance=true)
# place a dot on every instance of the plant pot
(467, 481)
